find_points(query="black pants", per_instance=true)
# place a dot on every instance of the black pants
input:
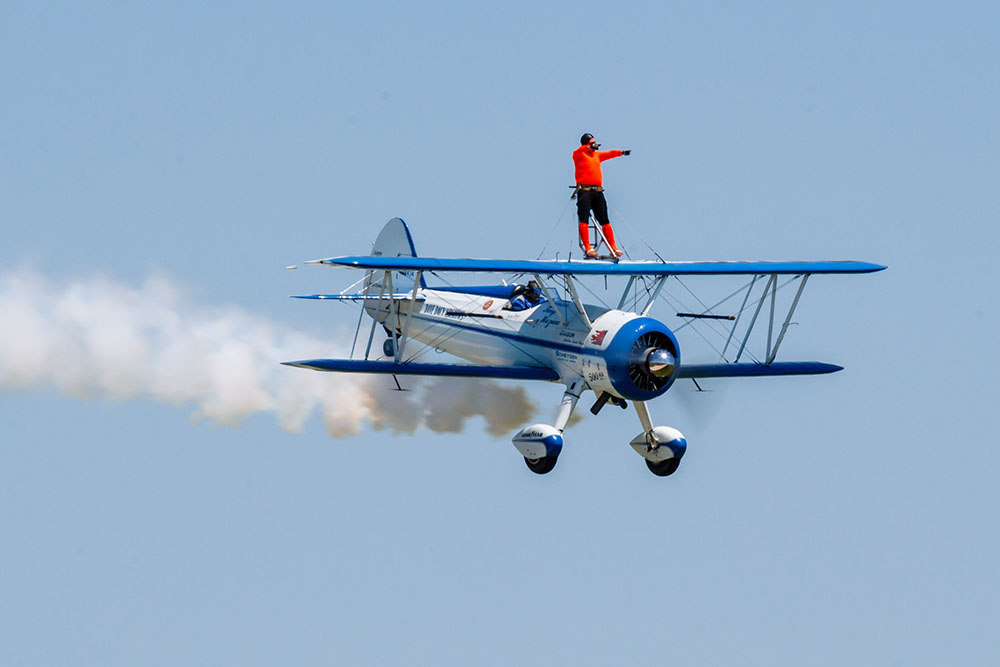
(592, 200)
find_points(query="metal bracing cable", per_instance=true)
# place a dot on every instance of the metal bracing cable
(594, 294)
(448, 335)
(357, 330)
(713, 307)
(434, 343)
(647, 289)
(695, 329)
(354, 284)
(696, 297)
(553, 230)
(440, 338)
(725, 333)
(713, 325)
(738, 291)
(619, 215)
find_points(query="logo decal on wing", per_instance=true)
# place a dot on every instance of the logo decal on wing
(598, 336)
(486, 306)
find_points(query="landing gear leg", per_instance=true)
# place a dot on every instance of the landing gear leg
(647, 424)
(661, 446)
(550, 434)
(568, 404)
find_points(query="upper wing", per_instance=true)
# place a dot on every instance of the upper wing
(591, 267)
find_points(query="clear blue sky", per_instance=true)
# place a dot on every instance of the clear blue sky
(849, 519)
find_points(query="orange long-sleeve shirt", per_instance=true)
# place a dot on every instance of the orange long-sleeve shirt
(588, 164)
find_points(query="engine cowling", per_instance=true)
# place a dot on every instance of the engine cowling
(637, 357)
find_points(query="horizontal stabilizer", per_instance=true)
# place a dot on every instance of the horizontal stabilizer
(449, 370)
(354, 297)
(756, 370)
(590, 267)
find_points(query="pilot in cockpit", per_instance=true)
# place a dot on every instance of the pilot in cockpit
(523, 297)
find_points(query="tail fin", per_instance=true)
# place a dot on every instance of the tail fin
(393, 241)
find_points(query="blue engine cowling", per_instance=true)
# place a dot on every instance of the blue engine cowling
(642, 359)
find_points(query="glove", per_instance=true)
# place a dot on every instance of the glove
(628, 152)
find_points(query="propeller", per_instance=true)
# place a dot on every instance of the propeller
(693, 408)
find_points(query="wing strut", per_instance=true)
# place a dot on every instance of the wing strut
(770, 321)
(545, 291)
(577, 303)
(739, 314)
(788, 318)
(753, 320)
(656, 292)
(770, 286)
(378, 309)
(357, 329)
(409, 317)
(628, 286)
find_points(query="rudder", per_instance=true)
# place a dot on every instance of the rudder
(393, 241)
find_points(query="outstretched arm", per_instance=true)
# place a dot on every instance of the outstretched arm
(607, 155)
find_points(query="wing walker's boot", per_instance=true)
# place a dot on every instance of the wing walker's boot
(609, 234)
(588, 252)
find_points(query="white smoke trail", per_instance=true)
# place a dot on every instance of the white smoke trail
(98, 338)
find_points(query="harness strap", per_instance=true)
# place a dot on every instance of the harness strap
(585, 188)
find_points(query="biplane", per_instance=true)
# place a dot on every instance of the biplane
(536, 327)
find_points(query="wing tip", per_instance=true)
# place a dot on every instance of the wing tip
(298, 364)
(775, 369)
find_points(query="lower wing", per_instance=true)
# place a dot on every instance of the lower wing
(450, 370)
(756, 370)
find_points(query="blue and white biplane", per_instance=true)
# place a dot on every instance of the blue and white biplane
(542, 330)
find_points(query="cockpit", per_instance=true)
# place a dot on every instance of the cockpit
(523, 297)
